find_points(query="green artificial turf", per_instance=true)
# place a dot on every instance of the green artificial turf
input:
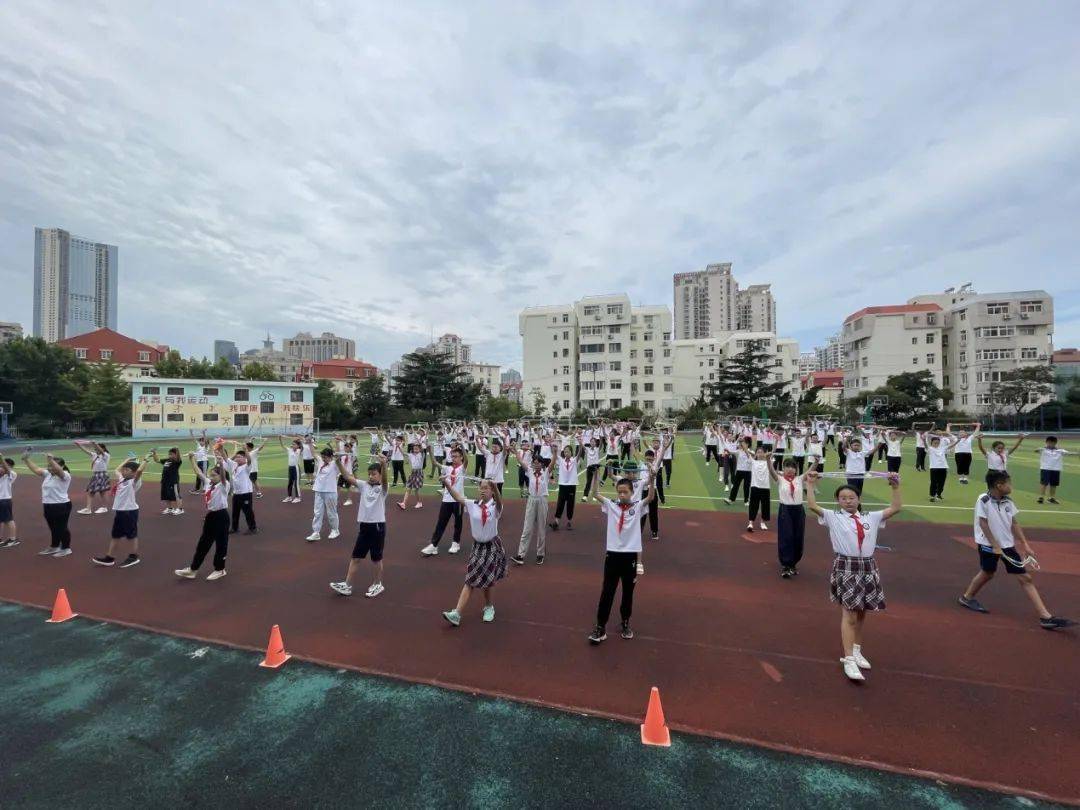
(695, 486)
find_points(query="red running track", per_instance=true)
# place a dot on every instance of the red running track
(737, 652)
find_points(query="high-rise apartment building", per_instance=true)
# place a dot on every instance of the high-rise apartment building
(75, 285)
(10, 331)
(829, 356)
(598, 353)
(226, 350)
(808, 361)
(709, 302)
(313, 349)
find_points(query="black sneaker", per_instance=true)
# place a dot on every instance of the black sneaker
(11, 542)
(106, 561)
(1052, 500)
(655, 536)
(598, 635)
(517, 559)
(539, 559)
(132, 559)
(627, 633)
(785, 573)
(794, 571)
(973, 604)
(553, 526)
(1055, 623)
(1039, 500)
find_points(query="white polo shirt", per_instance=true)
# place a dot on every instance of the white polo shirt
(937, 454)
(962, 445)
(325, 476)
(54, 488)
(457, 481)
(623, 524)
(568, 471)
(538, 483)
(483, 520)
(844, 535)
(790, 491)
(759, 473)
(372, 508)
(5, 484)
(743, 460)
(999, 516)
(1050, 459)
(241, 481)
(216, 496)
(124, 499)
(997, 461)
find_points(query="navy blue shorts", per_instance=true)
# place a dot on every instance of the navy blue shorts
(1050, 478)
(125, 524)
(6, 512)
(988, 560)
(370, 540)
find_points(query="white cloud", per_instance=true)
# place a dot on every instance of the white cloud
(388, 171)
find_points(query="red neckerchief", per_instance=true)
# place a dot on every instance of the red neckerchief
(1002, 457)
(453, 475)
(483, 513)
(622, 515)
(208, 493)
(859, 531)
(791, 484)
(568, 463)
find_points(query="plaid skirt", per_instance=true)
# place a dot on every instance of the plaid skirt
(99, 483)
(416, 480)
(855, 583)
(487, 564)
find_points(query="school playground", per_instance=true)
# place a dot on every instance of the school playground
(154, 692)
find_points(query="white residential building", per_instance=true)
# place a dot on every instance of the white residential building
(597, 354)
(75, 285)
(701, 361)
(487, 374)
(808, 361)
(829, 356)
(756, 309)
(986, 335)
(312, 348)
(880, 342)
(10, 331)
(705, 302)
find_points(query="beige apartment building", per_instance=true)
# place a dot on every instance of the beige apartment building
(880, 342)
(698, 362)
(598, 353)
(709, 302)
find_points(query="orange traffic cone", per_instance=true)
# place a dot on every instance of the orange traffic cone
(275, 650)
(655, 730)
(61, 611)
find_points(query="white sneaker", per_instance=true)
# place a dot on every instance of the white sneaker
(764, 526)
(347, 503)
(334, 534)
(85, 511)
(851, 669)
(163, 511)
(215, 575)
(418, 506)
(860, 659)
(429, 550)
(374, 590)
(101, 510)
(286, 500)
(178, 511)
(48, 552)
(750, 526)
(640, 568)
(296, 500)
(455, 548)
(64, 552)
(342, 588)
(186, 573)
(311, 538)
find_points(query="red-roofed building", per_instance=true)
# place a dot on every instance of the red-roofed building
(881, 342)
(343, 373)
(136, 359)
(511, 390)
(829, 381)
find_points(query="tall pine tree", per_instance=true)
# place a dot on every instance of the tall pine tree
(745, 377)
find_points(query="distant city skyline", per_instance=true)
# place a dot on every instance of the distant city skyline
(76, 281)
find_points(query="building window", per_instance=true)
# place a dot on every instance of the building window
(592, 348)
(648, 387)
(565, 352)
(566, 386)
(614, 309)
(865, 362)
(995, 331)
(963, 358)
(565, 318)
(997, 309)
(151, 390)
(931, 320)
(144, 357)
(565, 335)
(210, 392)
(614, 347)
(80, 354)
(914, 361)
(241, 420)
(296, 419)
(930, 359)
(929, 338)
(555, 354)
(294, 396)
(175, 391)
(1031, 306)
(615, 385)
(212, 417)
(614, 365)
(174, 417)
(151, 417)
(648, 370)
(914, 341)
(241, 394)
(668, 388)
(591, 310)
(963, 399)
(106, 354)
(1029, 354)
(554, 335)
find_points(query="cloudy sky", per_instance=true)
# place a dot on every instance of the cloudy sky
(390, 170)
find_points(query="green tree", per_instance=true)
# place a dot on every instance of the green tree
(746, 377)
(911, 395)
(222, 370)
(331, 406)
(371, 402)
(39, 378)
(1019, 385)
(171, 366)
(259, 371)
(104, 403)
(432, 383)
(539, 401)
(499, 409)
(198, 369)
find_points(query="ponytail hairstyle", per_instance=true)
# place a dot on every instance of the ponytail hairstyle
(63, 464)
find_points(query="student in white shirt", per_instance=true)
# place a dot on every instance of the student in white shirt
(487, 561)
(667, 438)
(998, 457)
(759, 488)
(495, 456)
(998, 535)
(253, 466)
(790, 518)
(415, 485)
(215, 529)
(937, 447)
(854, 581)
(797, 440)
(324, 494)
(293, 454)
(856, 460)
(347, 456)
(307, 456)
(962, 452)
(371, 517)
(1050, 463)
(920, 451)
(125, 514)
(7, 513)
(99, 485)
(454, 473)
(567, 470)
(397, 459)
(623, 545)
(202, 452)
(55, 503)
(894, 442)
(241, 489)
(592, 451)
(743, 463)
(536, 508)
